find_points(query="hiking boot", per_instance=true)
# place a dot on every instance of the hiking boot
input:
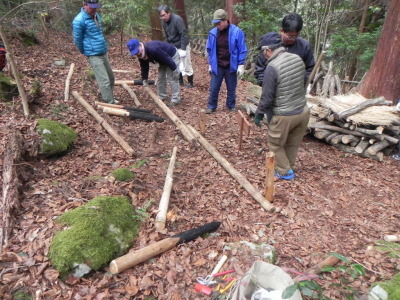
(209, 110)
(233, 109)
(172, 104)
(396, 156)
(288, 176)
(190, 82)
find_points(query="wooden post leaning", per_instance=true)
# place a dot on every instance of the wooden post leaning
(68, 81)
(103, 123)
(243, 125)
(161, 217)
(202, 123)
(179, 124)
(233, 172)
(132, 94)
(269, 176)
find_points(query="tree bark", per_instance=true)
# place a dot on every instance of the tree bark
(383, 78)
(11, 183)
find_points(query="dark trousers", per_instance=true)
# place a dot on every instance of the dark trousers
(215, 86)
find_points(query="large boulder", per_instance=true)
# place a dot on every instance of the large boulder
(56, 137)
(93, 235)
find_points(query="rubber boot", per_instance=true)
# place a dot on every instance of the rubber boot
(180, 79)
(190, 82)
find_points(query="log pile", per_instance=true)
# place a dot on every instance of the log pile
(365, 127)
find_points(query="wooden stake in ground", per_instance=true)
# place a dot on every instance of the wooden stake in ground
(232, 171)
(103, 123)
(178, 123)
(133, 258)
(67, 82)
(132, 94)
(243, 125)
(202, 122)
(10, 199)
(269, 176)
(15, 71)
(164, 202)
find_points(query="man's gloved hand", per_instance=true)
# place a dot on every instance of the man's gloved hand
(182, 53)
(398, 105)
(240, 71)
(209, 69)
(257, 119)
(175, 74)
(145, 82)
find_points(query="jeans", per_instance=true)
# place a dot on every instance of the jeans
(215, 86)
(104, 76)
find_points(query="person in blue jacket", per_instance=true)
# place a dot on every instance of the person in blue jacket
(167, 56)
(226, 48)
(90, 41)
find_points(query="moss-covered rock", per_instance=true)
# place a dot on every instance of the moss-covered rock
(392, 287)
(57, 137)
(96, 233)
(123, 174)
(8, 89)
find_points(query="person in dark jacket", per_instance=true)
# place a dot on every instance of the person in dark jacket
(283, 101)
(177, 35)
(226, 48)
(289, 37)
(90, 41)
(167, 57)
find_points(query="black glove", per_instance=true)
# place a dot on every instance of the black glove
(257, 119)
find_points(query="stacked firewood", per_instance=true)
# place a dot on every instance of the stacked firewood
(351, 123)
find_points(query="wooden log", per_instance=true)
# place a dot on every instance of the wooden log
(372, 141)
(355, 109)
(161, 217)
(68, 81)
(390, 139)
(367, 131)
(337, 139)
(103, 123)
(16, 73)
(348, 138)
(269, 176)
(332, 86)
(355, 142)
(132, 94)
(326, 85)
(338, 85)
(378, 147)
(322, 125)
(348, 149)
(329, 138)
(178, 123)
(14, 148)
(392, 238)
(233, 172)
(122, 71)
(323, 134)
(133, 258)
(362, 146)
(316, 66)
(317, 269)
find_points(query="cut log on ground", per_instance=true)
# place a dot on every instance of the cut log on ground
(134, 115)
(322, 134)
(317, 269)
(132, 94)
(375, 148)
(103, 123)
(269, 176)
(133, 258)
(104, 104)
(355, 109)
(10, 200)
(178, 123)
(233, 172)
(348, 149)
(68, 81)
(349, 138)
(161, 217)
(133, 82)
(362, 146)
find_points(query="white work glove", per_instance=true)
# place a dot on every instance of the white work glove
(308, 90)
(182, 53)
(209, 69)
(240, 71)
(398, 105)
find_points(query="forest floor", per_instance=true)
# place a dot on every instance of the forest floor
(338, 202)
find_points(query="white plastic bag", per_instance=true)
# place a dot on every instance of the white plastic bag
(263, 276)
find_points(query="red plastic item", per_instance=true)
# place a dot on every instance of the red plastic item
(202, 289)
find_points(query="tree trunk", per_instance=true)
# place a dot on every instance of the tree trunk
(179, 6)
(232, 17)
(383, 78)
(10, 199)
(156, 28)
